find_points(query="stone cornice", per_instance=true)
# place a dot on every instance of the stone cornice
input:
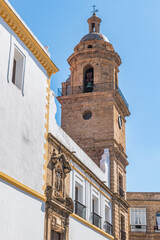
(121, 201)
(16, 24)
(120, 155)
(60, 205)
(95, 52)
(143, 200)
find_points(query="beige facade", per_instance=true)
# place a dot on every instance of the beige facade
(146, 226)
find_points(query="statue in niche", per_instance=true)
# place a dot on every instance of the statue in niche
(58, 183)
(88, 81)
(60, 168)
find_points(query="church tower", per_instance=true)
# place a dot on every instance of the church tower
(94, 111)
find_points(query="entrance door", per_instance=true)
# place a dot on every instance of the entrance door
(55, 236)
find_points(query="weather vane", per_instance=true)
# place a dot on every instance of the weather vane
(94, 9)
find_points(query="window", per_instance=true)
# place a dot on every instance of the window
(80, 209)
(157, 227)
(107, 214)
(95, 205)
(78, 192)
(123, 233)
(18, 68)
(89, 46)
(121, 191)
(138, 219)
(108, 225)
(96, 219)
(93, 27)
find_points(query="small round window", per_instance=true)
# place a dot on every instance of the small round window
(87, 115)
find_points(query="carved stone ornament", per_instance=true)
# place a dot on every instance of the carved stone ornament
(60, 168)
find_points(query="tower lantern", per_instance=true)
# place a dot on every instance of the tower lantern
(94, 23)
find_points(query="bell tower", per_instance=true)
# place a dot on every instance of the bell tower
(94, 112)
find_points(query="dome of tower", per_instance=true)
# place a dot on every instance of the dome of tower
(94, 36)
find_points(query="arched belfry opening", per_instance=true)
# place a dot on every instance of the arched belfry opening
(88, 81)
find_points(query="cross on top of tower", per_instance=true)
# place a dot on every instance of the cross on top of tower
(94, 10)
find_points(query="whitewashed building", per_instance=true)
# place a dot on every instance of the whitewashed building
(49, 187)
(89, 187)
(25, 70)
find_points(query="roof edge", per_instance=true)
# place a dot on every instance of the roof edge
(10, 16)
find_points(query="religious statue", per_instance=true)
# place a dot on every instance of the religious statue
(58, 183)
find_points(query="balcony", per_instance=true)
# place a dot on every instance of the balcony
(156, 229)
(123, 235)
(138, 228)
(96, 220)
(108, 228)
(121, 192)
(80, 209)
(99, 87)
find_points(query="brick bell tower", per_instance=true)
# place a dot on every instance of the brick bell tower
(94, 111)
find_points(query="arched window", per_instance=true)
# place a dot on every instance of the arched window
(93, 27)
(88, 79)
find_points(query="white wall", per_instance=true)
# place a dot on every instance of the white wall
(21, 215)
(89, 191)
(80, 231)
(22, 118)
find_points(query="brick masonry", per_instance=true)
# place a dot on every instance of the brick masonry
(150, 201)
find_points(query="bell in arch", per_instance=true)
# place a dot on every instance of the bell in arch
(89, 87)
(88, 81)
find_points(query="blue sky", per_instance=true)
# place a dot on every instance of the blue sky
(133, 27)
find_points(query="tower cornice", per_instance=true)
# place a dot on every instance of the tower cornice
(101, 50)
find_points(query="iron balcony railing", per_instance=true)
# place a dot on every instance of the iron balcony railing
(156, 229)
(71, 90)
(138, 228)
(108, 228)
(80, 209)
(120, 92)
(96, 220)
(121, 192)
(123, 235)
